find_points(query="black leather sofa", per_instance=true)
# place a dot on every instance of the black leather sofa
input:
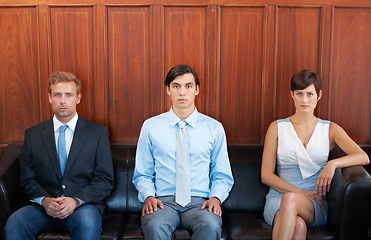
(349, 199)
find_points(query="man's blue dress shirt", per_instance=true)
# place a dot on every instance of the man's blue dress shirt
(155, 163)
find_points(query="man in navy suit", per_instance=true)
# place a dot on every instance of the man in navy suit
(66, 170)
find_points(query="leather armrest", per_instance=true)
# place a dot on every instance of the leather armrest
(10, 189)
(349, 203)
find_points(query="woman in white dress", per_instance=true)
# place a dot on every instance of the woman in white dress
(299, 146)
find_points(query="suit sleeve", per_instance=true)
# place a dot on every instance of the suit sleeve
(101, 183)
(29, 178)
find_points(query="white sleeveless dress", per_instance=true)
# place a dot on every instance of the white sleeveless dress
(299, 166)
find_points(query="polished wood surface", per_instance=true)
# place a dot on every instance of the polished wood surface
(350, 79)
(243, 51)
(19, 74)
(242, 54)
(129, 71)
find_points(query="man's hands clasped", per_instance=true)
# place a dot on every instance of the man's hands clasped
(60, 207)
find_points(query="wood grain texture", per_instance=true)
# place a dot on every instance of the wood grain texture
(129, 79)
(72, 48)
(242, 45)
(298, 48)
(19, 71)
(243, 51)
(350, 81)
(185, 42)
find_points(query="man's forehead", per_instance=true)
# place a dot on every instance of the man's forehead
(63, 87)
(187, 83)
(186, 79)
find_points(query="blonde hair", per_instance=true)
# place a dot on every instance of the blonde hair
(58, 77)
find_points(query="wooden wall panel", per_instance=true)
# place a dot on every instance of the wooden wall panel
(185, 42)
(72, 44)
(297, 48)
(19, 71)
(128, 39)
(244, 52)
(242, 45)
(350, 81)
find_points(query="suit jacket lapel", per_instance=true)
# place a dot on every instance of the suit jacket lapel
(78, 139)
(49, 142)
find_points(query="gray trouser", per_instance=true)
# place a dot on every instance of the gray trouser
(161, 224)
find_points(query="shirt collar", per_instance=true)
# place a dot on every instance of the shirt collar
(71, 124)
(190, 120)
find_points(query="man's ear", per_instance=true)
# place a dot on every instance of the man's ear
(50, 98)
(197, 89)
(79, 96)
(168, 90)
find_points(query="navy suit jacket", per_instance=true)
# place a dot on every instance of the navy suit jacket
(88, 173)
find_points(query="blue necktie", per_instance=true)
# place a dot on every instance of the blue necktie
(62, 152)
(183, 172)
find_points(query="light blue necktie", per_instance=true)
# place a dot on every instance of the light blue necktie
(183, 172)
(62, 152)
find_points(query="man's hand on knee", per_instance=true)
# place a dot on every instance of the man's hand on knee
(150, 205)
(213, 205)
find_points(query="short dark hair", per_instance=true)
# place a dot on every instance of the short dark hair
(58, 77)
(304, 78)
(180, 70)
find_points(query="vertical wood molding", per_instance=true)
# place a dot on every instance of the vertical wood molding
(46, 111)
(212, 73)
(100, 60)
(268, 84)
(157, 62)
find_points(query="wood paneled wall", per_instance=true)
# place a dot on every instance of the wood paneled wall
(244, 53)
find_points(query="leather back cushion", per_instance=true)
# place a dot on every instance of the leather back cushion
(123, 197)
(116, 202)
(134, 205)
(248, 192)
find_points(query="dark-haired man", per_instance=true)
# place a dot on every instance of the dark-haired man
(66, 170)
(182, 170)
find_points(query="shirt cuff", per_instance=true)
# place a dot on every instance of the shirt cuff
(81, 201)
(218, 194)
(38, 200)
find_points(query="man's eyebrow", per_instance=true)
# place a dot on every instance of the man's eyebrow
(188, 83)
(62, 92)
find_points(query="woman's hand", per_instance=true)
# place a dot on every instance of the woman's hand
(315, 196)
(324, 179)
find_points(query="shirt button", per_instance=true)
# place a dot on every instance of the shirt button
(64, 186)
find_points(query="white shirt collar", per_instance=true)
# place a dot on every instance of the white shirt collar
(71, 124)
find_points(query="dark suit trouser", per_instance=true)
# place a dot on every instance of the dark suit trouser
(26, 223)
